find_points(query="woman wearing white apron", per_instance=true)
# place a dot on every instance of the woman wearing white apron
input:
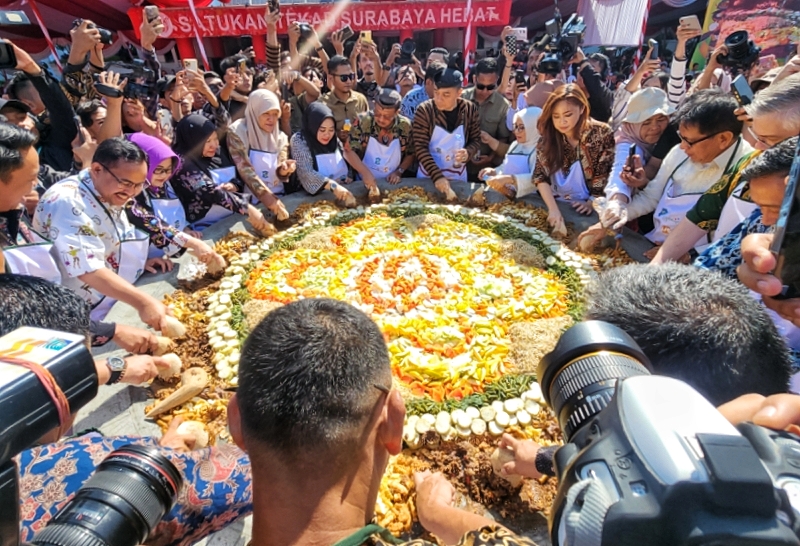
(260, 150)
(158, 211)
(205, 203)
(574, 156)
(513, 177)
(320, 163)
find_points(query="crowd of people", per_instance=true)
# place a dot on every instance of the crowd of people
(105, 176)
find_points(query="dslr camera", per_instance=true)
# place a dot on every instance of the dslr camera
(648, 460)
(105, 34)
(306, 30)
(407, 50)
(742, 52)
(561, 43)
(44, 377)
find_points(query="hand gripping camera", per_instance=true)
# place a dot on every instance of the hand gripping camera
(44, 377)
(562, 42)
(649, 461)
(742, 52)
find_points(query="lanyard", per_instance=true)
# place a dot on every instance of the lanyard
(727, 166)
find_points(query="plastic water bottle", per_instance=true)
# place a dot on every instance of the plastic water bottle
(459, 145)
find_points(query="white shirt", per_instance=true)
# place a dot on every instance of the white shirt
(85, 237)
(690, 177)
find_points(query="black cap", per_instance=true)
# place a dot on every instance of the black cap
(15, 104)
(449, 78)
(389, 98)
(163, 84)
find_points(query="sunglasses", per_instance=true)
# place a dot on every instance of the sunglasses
(691, 143)
(481, 87)
(346, 77)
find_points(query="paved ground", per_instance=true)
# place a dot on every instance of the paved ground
(119, 410)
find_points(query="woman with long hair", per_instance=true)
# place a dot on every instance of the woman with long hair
(574, 156)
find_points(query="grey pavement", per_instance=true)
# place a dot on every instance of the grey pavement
(119, 409)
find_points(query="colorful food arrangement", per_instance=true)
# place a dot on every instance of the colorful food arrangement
(468, 300)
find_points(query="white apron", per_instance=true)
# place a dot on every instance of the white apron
(33, 259)
(171, 212)
(266, 166)
(735, 211)
(382, 160)
(443, 147)
(671, 210)
(332, 166)
(217, 213)
(571, 187)
(518, 163)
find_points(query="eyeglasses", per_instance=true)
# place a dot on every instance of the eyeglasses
(481, 87)
(159, 171)
(346, 77)
(691, 143)
(124, 183)
(519, 128)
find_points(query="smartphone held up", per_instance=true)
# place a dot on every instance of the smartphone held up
(786, 242)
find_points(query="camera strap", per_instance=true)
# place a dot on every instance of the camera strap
(585, 512)
(50, 386)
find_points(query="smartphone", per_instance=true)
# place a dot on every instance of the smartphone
(8, 59)
(653, 49)
(692, 22)
(366, 36)
(274, 5)
(742, 90)
(786, 242)
(190, 64)
(77, 121)
(245, 42)
(511, 45)
(521, 33)
(347, 33)
(151, 13)
(631, 153)
(519, 76)
(8, 17)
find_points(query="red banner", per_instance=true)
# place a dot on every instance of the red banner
(376, 16)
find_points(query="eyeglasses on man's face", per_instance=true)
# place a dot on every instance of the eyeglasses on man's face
(691, 143)
(125, 184)
(344, 78)
(482, 87)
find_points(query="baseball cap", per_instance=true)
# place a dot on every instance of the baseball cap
(16, 104)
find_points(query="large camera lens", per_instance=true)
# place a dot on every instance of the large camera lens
(737, 44)
(133, 488)
(579, 376)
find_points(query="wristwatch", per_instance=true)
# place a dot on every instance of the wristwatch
(117, 367)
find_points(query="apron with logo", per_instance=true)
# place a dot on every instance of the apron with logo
(131, 257)
(443, 147)
(32, 257)
(735, 211)
(266, 167)
(216, 212)
(332, 166)
(382, 160)
(170, 211)
(518, 163)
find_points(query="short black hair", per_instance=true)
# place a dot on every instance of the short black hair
(18, 85)
(35, 302)
(697, 326)
(13, 141)
(663, 79)
(441, 51)
(772, 161)
(261, 76)
(307, 377)
(230, 62)
(487, 65)
(210, 74)
(433, 69)
(603, 60)
(86, 109)
(118, 149)
(711, 111)
(336, 61)
(308, 70)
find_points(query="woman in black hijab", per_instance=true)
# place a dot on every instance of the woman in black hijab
(320, 163)
(205, 194)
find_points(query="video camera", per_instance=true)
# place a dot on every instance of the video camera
(742, 52)
(141, 80)
(648, 460)
(560, 42)
(44, 377)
